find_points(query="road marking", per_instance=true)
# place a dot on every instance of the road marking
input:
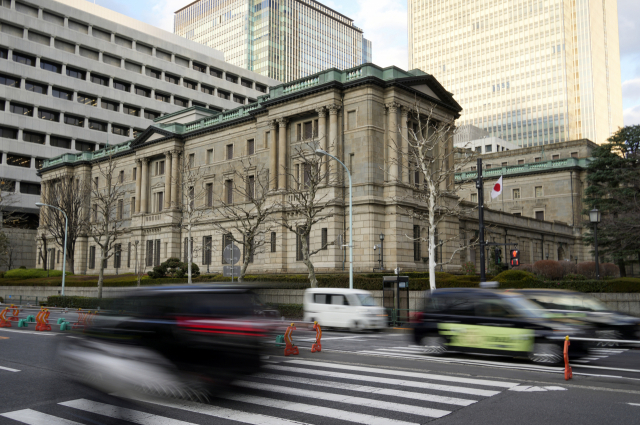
(528, 389)
(391, 381)
(29, 332)
(341, 398)
(408, 374)
(328, 412)
(122, 413)
(609, 368)
(32, 417)
(215, 411)
(635, 404)
(8, 369)
(366, 389)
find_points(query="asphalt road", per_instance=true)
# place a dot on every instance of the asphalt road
(357, 378)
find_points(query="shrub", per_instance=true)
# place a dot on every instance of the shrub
(572, 276)
(173, 268)
(23, 273)
(568, 268)
(1, 300)
(23, 267)
(468, 268)
(548, 269)
(1, 275)
(289, 311)
(80, 302)
(516, 276)
(587, 269)
(524, 267)
(609, 270)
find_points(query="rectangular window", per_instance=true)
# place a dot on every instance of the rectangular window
(159, 168)
(199, 67)
(51, 66)
(521, 162)
(98, 125)
(540, 215)
(474, 197)
(86, 99)
(24, 59)
(207, 246)
(4, 53)
(245, 83)
(149, 256)
(120, 130)
(238, 99)
(10, 81)
(62, 94)
(151, 115)
(8, 133)
(209, 190)
(120, 209)
(488, 166)
(21, 109)
(207, 89)
(224, 95)
(308, 130)
(215, 72)
(129, 255)
(574, 154)
(31, 137)
(60, 142)
(97, 79)
(141, 91)
(229, 151)
(250, 147)
(171, 78)
(85, 146)
(160, 201)
(121, 85)
(538, 191)
(554, 157)
(487, 148)
(417, 244)
(504, 164)
(36, 87)
(209, 156)
(76, 73)
(121, 176)
(190, 84)
(325, 238)
(251, 188)
(92, 257)
(163, 97)
(273, 241)
(131, 110)
(516, 193)
(30, 188)
(184, 103)
(228, 188)
(39, 163)
(75, 121)
(232, 79)
(117, 256)
(109, 105)
(261, 88)
(538, 159)
(192, 160)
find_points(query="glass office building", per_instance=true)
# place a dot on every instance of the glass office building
(529, 72)
(285, 40)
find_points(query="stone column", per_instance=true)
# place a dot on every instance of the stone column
(167, 180)
(393, 141)
(404, 146)
(144, 177)
(174, 181)
(282, 153)
(138, 185)
(332, 143)
(273, 156)
(323, 137)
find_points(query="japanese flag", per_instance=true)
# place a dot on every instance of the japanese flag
(497, 189)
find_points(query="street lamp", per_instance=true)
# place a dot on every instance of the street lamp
(594, 217)
(320, 153)
(64, 255)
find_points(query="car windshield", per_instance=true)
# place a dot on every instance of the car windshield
(526, 308)
(366, 300)
(574, 302)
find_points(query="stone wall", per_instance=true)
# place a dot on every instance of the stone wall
(23, 247)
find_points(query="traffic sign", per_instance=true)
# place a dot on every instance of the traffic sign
(231, 271)
(231, 254)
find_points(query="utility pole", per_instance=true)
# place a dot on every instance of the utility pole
(479, 186)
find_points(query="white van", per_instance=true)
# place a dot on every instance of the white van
(343, 308)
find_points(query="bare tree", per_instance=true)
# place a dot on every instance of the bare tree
(43, 251)
(304, 204)
(190, 179)
(70, 194)
(247, 212)
(106, 221)
(427, 162)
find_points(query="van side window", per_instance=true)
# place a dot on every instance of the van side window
(493, 308)
(320, 298)
(339, 300)
(459, 306)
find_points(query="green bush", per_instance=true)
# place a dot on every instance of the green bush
(468, 268)
(80, 302)
(289, 311)
(24, 273)
(1, 300)
(1, 275)
(23, 267)
(174, 268)
(572, 276)
(509, 276)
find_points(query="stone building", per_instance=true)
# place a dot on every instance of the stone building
(358, 114)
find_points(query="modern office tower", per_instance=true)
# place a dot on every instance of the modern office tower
(529, 72)
(285, 40)
(75, 76)
(367, 53)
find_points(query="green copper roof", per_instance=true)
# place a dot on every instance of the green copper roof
(525, 168)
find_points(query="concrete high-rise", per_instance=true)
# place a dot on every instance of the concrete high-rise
(529, 72)
(284, 40)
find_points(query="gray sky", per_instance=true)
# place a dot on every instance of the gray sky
(385, 23)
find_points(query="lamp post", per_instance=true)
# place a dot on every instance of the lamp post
(320, 153)
(594, 217)
(64, 255)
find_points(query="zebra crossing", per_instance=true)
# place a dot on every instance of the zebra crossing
(289, 392)
(600, 353)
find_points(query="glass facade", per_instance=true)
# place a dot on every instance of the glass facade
(285, 39)
(529, 72)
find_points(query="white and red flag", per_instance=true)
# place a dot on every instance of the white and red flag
(497, 189)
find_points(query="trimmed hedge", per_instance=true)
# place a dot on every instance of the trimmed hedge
(32, 273)
(289, 311)
(620, 285)
(516, 276)
(80, 302)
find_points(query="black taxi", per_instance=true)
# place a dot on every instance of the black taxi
(493, 322)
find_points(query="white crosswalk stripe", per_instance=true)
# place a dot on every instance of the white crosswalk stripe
(320, 390)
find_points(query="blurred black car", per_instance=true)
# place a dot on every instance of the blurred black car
(492, 322)
(608, 324)
(186, 341)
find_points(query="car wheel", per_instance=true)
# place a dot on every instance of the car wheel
(546, 353)
(433, 344)
(355, 327)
